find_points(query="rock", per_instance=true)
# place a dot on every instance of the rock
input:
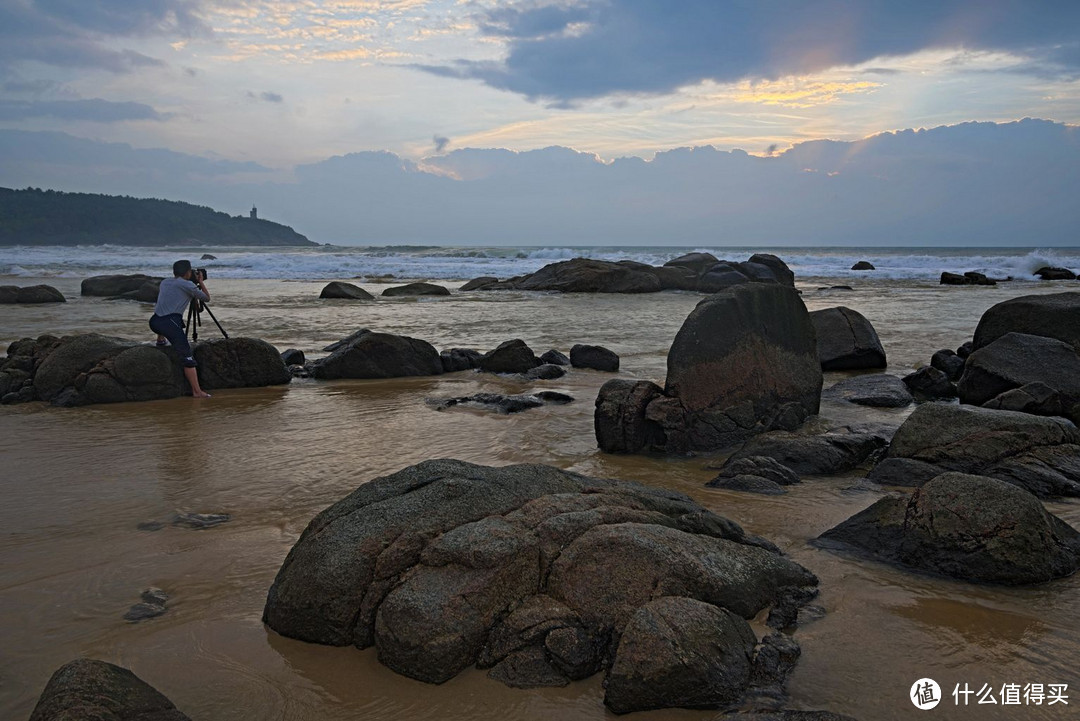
(744, 362)
(497, 402)
(1054, 316)
(479, 283)
(620, 419)
(528, 668)
(596, 357)
(696, 262)
(415, 289)
(754, 474)
(1017, 359)
(512, 356)
(200, 520)
(554, 357)
(1036, 398)
(30, 294)
(347, 340)
(113, 285)
(978, 278)
(863, 265)
(929, 384)
(815, 455)
(347, 291)
(780, 270)
(446, 564)
(954, 279)
(846, 340)
(968, 527)
(965, 349)
(1050, 273)
(554, 397)
(379, 355)
(207, 256)
(545, 372)
(680, 652)
(146, 293)
(239, 363)
(774, 661)
(949, 363)
(1039, 454)
(90, 689)
(878, 389)
(293, 357)
(74, 356)
(584, 275)
(151, 606)
(459, 359)
(299, 371)
(721, 277)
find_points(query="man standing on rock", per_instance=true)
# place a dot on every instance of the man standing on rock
(173, 298)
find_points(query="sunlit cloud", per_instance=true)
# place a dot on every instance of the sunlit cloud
(797, 92)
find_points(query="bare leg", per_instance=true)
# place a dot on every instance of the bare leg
(193, 379)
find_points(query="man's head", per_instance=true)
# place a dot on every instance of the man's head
(181, 268)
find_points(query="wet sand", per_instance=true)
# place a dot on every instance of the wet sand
(77, 482)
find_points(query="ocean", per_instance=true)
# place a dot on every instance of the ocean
(77, 483)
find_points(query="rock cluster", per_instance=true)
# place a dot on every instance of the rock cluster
(30, 294)
(694, 271)
(91, 368)
(968, 527)
(1040, 455)
(745, 361)
(541, 575)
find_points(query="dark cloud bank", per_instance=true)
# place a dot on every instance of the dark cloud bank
(576, 49)
(969, 184)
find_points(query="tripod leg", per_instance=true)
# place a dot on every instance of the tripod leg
(214, 318)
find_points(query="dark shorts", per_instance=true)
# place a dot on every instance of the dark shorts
(172, 327)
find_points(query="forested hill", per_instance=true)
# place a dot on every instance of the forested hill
(49, 217)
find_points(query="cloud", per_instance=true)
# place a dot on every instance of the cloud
(440, 143)
(95, 110)
(578, 49)
(266, 96)
(77, 33)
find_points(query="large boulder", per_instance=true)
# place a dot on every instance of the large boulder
(1017, 359)
(1055, 315)
(367, 354)
(90, 689)
(778, 269)
(529, 570)
(696, 262)
(146, 293)
(512, 356)
(30, 294)
(1052, 273)
(1039, 454)
(968, 527)
(346, 291)
(73, 356)
(679, 652)
(744, 362)
(584, 275)
(239, 363)
(846, 340)
(596, 357)
(115, 285)
(416, 289)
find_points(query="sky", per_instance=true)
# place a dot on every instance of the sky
(256, 98)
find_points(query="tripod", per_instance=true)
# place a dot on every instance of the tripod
(194, 318)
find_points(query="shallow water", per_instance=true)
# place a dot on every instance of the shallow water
(77, 482)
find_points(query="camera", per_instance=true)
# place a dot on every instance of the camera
(199, 274)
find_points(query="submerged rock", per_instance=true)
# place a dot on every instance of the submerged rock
(446, 564)
(366, 354)
(346, 291)
(416, 289)
(1039, 454)
(846, 340)
(545, 372)
(815, 455)
(503, 404)
(968, 527)
(90, 689)
(754, 474)
(151, 606)
(596, 357)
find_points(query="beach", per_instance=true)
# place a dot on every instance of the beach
(78, 483)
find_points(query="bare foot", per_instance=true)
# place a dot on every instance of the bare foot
(200, 394)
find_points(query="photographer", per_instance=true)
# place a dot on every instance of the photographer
(186, 286)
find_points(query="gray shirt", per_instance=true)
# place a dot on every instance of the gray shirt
(175, 294)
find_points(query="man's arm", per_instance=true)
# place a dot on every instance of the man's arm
(200, 290)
